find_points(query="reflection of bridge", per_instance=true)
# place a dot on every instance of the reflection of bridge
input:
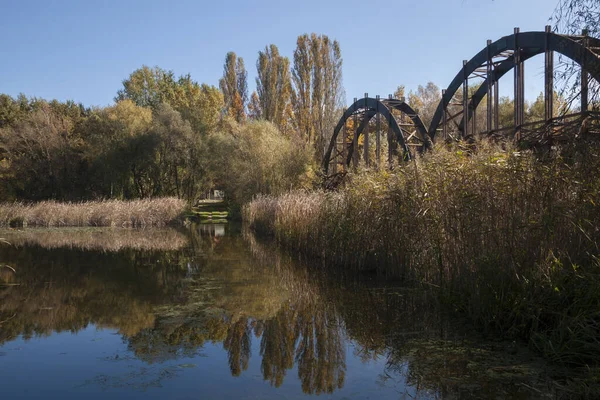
(457, 110)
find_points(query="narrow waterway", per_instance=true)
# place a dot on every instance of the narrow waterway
(211, 312)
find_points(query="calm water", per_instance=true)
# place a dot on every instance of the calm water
(209, 312)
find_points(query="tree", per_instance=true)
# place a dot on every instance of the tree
(234, 86)
(150, 87)
(572, 17)
(425, 101)
(266, 161)
(318, 92)
(13, 110)
(273, 87)
(42, 155)
(254, 110)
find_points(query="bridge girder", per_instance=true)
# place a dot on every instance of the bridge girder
(529, 44)
(371, 107)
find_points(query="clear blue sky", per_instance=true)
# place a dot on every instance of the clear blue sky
(82, 50)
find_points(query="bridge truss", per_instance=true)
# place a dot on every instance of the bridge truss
(456, 114)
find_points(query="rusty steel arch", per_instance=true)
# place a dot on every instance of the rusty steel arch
(523, 45)
(370, 107)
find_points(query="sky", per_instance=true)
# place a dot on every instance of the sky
(82, 50)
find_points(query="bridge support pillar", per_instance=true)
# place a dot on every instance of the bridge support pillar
(465, 100)
(355, 139)
(444, 115)
(584, 75)
(366, 136)
(496, 105)
(390, 143)
(490, 87)
(473, 119)
(344, 146)
(377, 135)
(548, 82)
(519, 92)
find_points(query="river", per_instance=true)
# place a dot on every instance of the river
(211, 312)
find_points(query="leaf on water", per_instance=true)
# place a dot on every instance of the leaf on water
(187, 365)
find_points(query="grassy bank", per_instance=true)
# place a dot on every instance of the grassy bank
(511, 238)
(134, 213)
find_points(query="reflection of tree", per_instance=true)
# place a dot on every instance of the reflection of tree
(67, 289)
(320, 355)
(172, 338)
(277, 345)
(237, 344)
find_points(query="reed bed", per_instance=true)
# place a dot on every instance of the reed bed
(125, 214)
(510, 237)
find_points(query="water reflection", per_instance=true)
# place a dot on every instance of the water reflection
(222, 288)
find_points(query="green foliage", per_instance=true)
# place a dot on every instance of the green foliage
(151, 87)
(265, 161)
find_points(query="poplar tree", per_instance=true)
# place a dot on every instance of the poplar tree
(273, 87)
(318, 94)
(234, 85)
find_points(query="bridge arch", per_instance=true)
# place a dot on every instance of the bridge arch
(369, 107)
(523, 46)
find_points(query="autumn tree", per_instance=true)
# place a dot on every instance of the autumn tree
(41, 155)
(148, 87)
(425, 101)
(234, 85)
(200, 104)
(254, 110)
(318, 93)
(273, 87)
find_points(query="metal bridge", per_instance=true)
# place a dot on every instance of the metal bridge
(456, 113)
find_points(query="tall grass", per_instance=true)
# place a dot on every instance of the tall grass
(127, 214)
(510, 237)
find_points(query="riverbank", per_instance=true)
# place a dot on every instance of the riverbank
(127, 214)
(509, 237)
